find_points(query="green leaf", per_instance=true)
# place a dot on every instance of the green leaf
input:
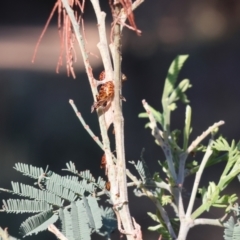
(109, 222)
(222, 145)
(95, 212)
(66, 223)
(29, 191)
(232, 230)
(80, 224)
(172, 75)
(178, 92)
(154, 217)
(29, 170)
(166, 199)
(37, 223)
(187, 127)
(143, 115)
(25, 206)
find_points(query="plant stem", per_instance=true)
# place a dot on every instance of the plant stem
(159, 136)
(118, 127)
(163, 213)
(79, 116)
(194, 144)
(198, 178)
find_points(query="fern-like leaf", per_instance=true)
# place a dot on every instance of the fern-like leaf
(69, 182)
(29, 170)
(221, 144)
(25, 206)
(66, 223)
(95, 212)
(87, 176)
(71, 167)
(232, 230)
(109, 222)
(29, 191)
(62, 192)
(142, 169)
(88, 212)
(81, 229)
(101, 183)
(84, 174)
(89, 187)
(37, 223)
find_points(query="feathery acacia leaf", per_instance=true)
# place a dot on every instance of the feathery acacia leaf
(66, 223)
(109, 222)
(29, 170)
(29, 191)
(232, 230)
(62, 192)
(95, 212)
(81, 229)
(25, 206)
(37, 223)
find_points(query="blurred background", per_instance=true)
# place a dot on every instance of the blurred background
(38, 126)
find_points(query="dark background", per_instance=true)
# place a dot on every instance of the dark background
(38, 126)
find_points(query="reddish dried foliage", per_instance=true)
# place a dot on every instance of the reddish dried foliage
(127, 5)
(66, 34)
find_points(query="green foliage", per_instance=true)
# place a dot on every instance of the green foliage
(25, 206)
(219, 151)
(29, 170)
(161, 227)
(79, 219)
(66, 223)
(32, 192)
(171, 94)
(109, 222)
(71, 199)
(232, 230)
(95, 213)
(37, 223)
(232, 168)
(142, 169)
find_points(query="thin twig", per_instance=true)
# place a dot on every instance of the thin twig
(198, 178)
(52, 228)
(79, 116)
(103, 45)
(208, 221)
(194, 144)
(163, 213)
(129, 174)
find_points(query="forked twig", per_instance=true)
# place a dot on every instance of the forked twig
(79, 116)
(194, 144)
